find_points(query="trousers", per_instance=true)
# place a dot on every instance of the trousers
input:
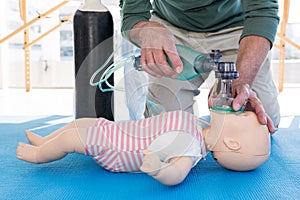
(166, 94)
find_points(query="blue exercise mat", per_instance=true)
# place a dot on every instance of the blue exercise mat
(79, 177)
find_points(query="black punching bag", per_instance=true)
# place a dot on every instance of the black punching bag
(93, 44)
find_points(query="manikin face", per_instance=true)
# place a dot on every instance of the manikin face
(237, 141)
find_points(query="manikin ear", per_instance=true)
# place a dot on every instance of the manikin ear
(231, 143)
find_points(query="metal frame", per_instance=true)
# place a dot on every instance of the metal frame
(283, 41)
(25, 29)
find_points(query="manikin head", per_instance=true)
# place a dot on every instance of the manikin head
(237, 141)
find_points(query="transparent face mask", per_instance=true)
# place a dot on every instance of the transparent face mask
(221, 97)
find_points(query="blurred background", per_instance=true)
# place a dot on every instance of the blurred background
(52, 61)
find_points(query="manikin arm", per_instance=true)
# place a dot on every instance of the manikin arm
(171, 173)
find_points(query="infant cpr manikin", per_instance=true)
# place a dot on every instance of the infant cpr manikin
(237, 141)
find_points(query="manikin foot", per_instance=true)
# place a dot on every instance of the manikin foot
(27, 152)
(34, 139)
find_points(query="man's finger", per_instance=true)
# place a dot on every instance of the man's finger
(270, 125)
(243, 94)
(163, 65)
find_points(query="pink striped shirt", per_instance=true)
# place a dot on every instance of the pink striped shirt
(118, 146)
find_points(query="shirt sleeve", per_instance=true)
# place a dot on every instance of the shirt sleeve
(132, 12)
(176, 144)
(261, 18)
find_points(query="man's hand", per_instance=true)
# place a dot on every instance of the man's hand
(156, 42)
(244, 94)
(252, 52)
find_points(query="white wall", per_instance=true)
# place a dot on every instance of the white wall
(3, 46)
(57, 74)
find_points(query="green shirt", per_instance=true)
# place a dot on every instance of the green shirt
(259, 17)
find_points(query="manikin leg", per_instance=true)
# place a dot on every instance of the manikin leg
(54, 149)
(68, 139)
(37, 140)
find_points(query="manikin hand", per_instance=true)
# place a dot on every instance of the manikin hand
(244, 94)
(151, 163)
(171, 173)
(156, 42)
